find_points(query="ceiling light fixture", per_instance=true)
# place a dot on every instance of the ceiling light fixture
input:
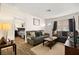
(48, 10)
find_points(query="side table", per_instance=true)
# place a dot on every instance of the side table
(8, 45)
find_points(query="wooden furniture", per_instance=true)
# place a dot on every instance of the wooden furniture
(49, 41)
(8, 45)
(71, 51)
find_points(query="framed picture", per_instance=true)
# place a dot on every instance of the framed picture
(36, 21)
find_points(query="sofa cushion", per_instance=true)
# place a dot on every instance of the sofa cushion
(29, 38)
(64, 33)
(62, 36)
(37, 33)
(40, 32)
(32, 34)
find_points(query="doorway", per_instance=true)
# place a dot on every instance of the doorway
(20, 29)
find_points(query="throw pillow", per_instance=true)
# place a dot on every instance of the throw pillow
(32, 34)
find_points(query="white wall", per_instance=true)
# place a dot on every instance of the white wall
(66, 17)
(49, 26)
(30, 26)
(13, 14)
(27, 18)
(63, 25)
(63, 20)
(18, 23)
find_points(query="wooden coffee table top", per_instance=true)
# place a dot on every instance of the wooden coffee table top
(48, 39)
(54, 37)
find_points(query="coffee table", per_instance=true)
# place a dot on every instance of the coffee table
(49, 41)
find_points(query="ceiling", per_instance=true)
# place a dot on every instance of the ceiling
(47, 10)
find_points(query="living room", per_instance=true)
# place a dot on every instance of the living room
(37, 29)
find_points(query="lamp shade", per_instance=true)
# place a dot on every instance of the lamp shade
(0, 26)
(5, 26)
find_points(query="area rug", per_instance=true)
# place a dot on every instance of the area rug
(57, 49)
(22, 48)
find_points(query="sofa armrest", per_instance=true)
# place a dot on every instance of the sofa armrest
(29, 38)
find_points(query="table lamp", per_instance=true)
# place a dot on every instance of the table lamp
(5, 27)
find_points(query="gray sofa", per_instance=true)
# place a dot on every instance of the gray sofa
(62, 36)
(35, 37)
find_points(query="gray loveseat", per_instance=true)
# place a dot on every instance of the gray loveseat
(35, 37)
